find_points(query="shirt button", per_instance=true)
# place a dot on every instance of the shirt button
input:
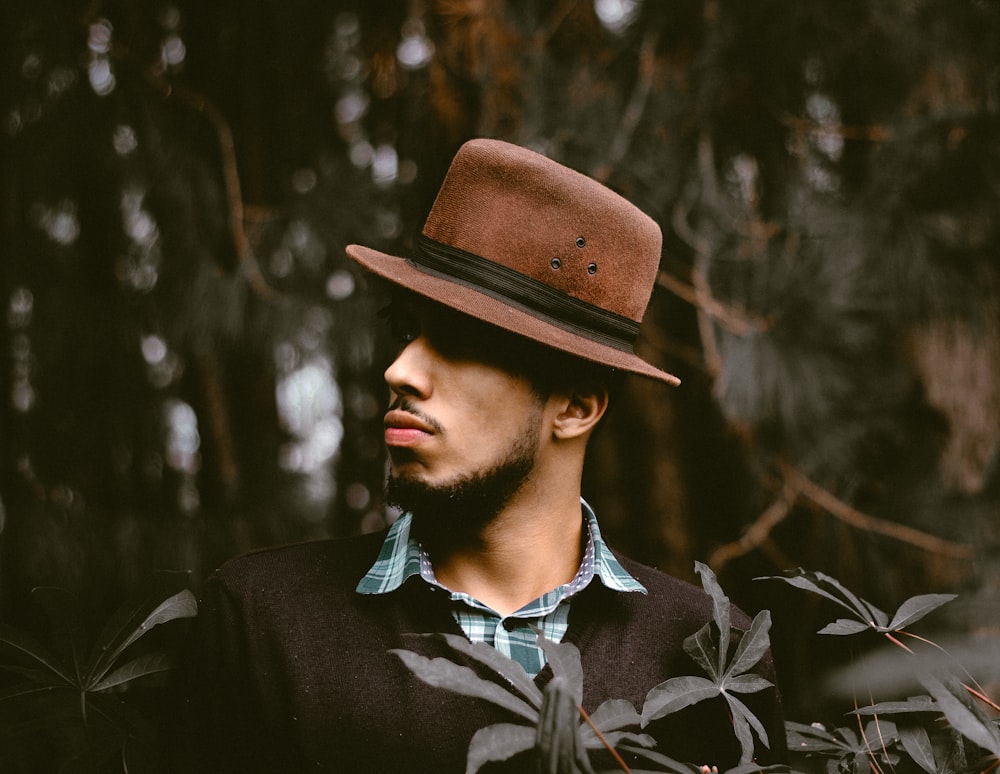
(510, 624)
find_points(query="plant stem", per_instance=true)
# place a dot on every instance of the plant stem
(982, 697)
(901, 644)
(611, 749)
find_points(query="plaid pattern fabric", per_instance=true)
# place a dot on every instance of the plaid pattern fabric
(514, 636)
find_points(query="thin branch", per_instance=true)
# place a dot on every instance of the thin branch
(732, 318)
(757, 533)
(796, 486)
(841, 510)
(638, 100)
(230, 174)
(873, 133)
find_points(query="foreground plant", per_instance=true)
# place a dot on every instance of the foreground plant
(66, 707)
(946, 731)
(558, 731)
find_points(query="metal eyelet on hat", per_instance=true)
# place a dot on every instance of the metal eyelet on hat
(580, 241)
(592, 268)
(555, 263)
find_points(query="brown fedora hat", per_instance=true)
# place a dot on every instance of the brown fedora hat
(524, 243)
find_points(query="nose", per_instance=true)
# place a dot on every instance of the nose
(409, 375)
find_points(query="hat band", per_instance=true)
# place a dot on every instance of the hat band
(536, 298)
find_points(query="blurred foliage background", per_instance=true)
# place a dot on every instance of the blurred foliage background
(191, 368)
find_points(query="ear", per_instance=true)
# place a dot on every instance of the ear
(579, 413)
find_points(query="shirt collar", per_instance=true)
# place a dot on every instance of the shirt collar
(400, 558)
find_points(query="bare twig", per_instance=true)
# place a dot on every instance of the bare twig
(796, 486)
(841, 510)
(757, 533)
(230, 174)
(873, 133)
(732, 318)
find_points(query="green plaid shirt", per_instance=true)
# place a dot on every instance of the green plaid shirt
(402, 557)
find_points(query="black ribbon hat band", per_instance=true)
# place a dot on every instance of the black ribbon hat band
(536, 298)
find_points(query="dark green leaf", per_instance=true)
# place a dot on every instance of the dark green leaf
(811, 738)
(832, 589)
(614, 738)
(750, 683)
(490, 657)
(669, 764)
(742, 730)
(442, 673)
(615, 714)
(675, 694)
(846, 626)
(912, 704)
(964, 715)
(498, 743)
(564, 658)
(153, 663)
(720, 611)
(703, 649)
(915, 608)
(19, 691)
(753, 645)
(67, 631)
(917, 743)
(20, 649)
(739, 709)
(164, 599)
(557, 741)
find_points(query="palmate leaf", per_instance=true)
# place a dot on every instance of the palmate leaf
(65, 626)
(867, 615)
(558, 742)
(442, 673)
(564, 658)
(702, 647)
(498, 742)
(615, 714)
(668, 764)
(845, 626)
(753, 645)
(743, 721)
(676, 694)
(963, 713)
(165, 598)
(917, 744)
(910, 705)
(151, 664)
(610, 718)
(721, 611)
(20, 651)
(917, 607)
(832, 589)
(496, 662)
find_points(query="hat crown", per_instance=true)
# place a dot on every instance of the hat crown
(520, 210)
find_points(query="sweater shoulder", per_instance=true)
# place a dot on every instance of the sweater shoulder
(339, 562)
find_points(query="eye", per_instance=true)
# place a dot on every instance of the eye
(404, 326)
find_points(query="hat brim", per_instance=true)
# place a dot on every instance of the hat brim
(499, 312)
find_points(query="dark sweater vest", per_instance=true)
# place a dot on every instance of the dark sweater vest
(289, 669)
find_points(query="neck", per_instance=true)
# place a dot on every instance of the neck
(533, 546)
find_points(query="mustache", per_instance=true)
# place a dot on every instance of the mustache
(407, 406)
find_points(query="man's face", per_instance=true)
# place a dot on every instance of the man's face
(462, 432)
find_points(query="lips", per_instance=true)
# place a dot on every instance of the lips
(404, 429)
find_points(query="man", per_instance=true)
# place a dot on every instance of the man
(514, 319)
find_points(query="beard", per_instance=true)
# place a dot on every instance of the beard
(455, 513)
